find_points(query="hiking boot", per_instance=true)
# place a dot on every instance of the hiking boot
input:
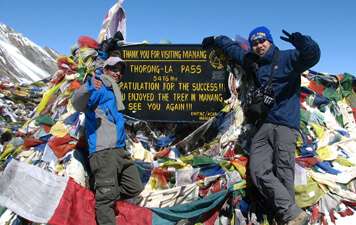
(301, 219)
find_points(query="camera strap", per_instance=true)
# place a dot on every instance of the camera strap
(274, 65)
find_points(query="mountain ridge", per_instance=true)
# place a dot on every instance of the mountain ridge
(22, 60)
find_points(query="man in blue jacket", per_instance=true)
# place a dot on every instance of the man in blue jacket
(272, 153)
(115, 175)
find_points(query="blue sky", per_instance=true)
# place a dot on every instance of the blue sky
(58, 24)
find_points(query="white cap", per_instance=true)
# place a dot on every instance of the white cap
(112, 61)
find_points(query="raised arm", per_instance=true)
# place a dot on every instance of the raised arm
(231, 48)
(307, 52)
(85, 97)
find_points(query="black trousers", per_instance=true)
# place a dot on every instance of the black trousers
(116, 177)
(271, 166)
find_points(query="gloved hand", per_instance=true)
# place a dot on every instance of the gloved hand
(208, 42)
(296, 39)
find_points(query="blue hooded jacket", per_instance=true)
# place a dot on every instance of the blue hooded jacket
(104, 124)
(286, 79)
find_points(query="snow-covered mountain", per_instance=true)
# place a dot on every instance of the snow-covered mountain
(21, 60)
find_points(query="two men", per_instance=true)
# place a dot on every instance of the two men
(272, 160)
(116, 177)
(272, 149)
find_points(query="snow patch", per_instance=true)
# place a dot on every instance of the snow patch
(22, 64)
(27, 42)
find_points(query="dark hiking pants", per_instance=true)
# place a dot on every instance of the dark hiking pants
(116, 177)
(271, 169)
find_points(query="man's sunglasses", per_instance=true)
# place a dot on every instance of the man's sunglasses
(258, 41)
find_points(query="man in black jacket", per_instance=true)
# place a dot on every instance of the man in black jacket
(272, 159)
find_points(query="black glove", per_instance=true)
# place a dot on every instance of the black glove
(208, 42)
(296, 39)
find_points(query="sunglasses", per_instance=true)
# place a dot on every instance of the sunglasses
(258, 41)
